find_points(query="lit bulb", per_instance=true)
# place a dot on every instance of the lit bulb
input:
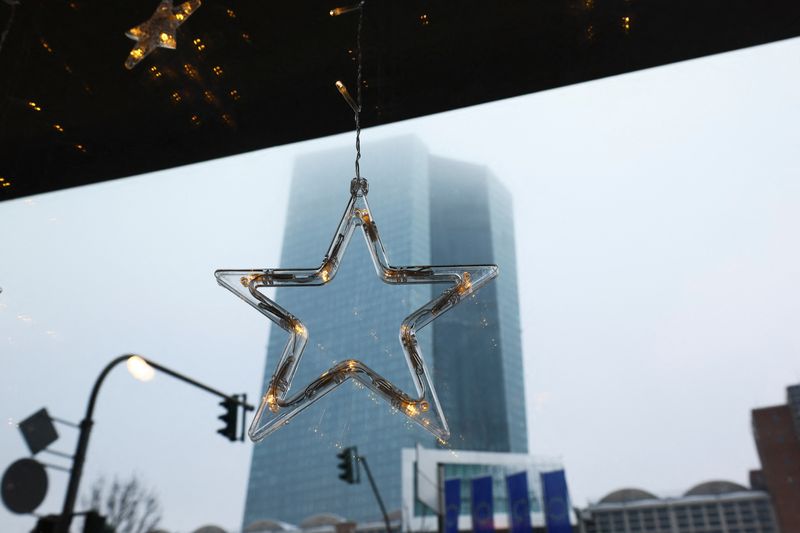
(140, 369)
(335, 12)
(299, 328)
(272, 403)
(406, 334)
(466, 283)
(346, 95)
(626, 23)
(411, 409)
(363, 214)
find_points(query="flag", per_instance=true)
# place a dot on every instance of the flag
(482, 509)
(519, 508)
(452, 505)
(556, 502)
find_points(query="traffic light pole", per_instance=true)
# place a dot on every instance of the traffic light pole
(86, 428)
(363, 460)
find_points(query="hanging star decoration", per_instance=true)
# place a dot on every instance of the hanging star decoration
(278, 407)
(158, 30)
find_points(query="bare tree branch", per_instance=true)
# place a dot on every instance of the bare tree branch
(129, 506)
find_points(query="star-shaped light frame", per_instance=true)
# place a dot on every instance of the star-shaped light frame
(158, 30)
(277, 407)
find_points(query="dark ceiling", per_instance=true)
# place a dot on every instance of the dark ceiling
(249, 74)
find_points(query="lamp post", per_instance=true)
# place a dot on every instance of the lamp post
(143, 370)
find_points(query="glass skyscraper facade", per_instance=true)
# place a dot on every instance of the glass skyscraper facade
(429, 210)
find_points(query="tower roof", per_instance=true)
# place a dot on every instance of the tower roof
(714, 487)
(628, 495)
(322, 519)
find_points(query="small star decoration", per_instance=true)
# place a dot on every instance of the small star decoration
(422, 406)
(158, 30)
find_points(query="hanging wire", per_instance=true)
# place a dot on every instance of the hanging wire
(13, 5)
(358, 89)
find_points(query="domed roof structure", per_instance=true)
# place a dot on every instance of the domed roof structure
(209, 529)
(265, 526)
(628, 495)
(715, 487)
(322, 519)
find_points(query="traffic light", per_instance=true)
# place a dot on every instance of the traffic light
(348, 465)
(230, 417)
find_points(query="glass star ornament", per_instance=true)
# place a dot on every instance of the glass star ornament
(282, 401)
(158, 30)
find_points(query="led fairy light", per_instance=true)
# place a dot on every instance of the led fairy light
(158, 30)
(280, 402)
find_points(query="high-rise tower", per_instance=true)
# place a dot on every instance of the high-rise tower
(429, 210)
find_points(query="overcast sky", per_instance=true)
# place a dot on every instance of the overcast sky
(657, 218)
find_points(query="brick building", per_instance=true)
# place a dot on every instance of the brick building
(777, 435)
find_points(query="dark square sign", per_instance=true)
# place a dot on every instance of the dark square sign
(38, 431)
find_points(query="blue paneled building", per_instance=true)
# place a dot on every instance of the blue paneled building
(429, 210)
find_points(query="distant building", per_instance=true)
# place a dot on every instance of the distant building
(711, 507)
(430, 210)
(777, 434)
(425, 470)
(793, 399)
(324, 523)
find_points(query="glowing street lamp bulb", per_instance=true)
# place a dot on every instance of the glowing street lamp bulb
(140, 369)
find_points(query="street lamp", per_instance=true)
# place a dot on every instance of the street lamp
(139, 368)
(143, 370)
